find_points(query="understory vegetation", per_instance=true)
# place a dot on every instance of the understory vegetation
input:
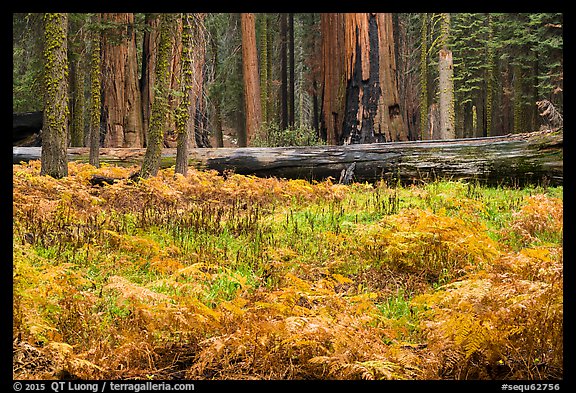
(238, 277)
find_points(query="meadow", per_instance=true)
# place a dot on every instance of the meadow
(210, 276)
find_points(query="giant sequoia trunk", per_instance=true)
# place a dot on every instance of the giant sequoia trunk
(251, 78)
(360, 99)
(517, 159)
(121, 106)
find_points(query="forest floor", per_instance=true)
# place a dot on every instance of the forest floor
(238, 277)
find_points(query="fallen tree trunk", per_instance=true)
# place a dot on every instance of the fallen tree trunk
(26, 128)
(518, 159)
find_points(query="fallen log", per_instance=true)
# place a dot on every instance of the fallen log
(517, 158)
(26, 128)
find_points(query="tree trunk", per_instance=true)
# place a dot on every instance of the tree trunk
(216, 94)
(446, 83)
(122, 105)
(54, 160)
(489, 75)
(26, 128)
(433, 131)
(95, 97)
(182, 117)
(160, 105)
(291, 81)
(251, 79)
(284, 71)
(147, 79)
(360, 102)
(333, 82)
(392, 122)
(407, 78)
(446, 87)
(263, 66)
(515, 159)
(78, 103)
(271, 102)
(424, 78)
(197, 131)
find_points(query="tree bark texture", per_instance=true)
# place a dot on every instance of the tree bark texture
(263, 66)
(147, 80)
(514, 159)
(424, 127)
(284, 71)
(160, 105)
(95, 97)
(182, 115)
(291, 80)
(251, 78)
(333, 82)
(360, 102)
(122, 105)
(55, 121)
(446, 100)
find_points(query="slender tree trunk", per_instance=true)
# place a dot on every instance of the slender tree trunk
(239, 117)
(160, 105)
(389, 119)
(446, 86)
(311, 60)
(284, 71)
(507, 88)
(251, 79)
(291, 82)
(54, 158)
(434, 131)
(407, 77)
(424, 78)
(197, 135)
(216, 97)
(78, 103)
(95, 98)
(183, 110)
(446, 83)
(270, 105)
(489, 76)
(174, 84)
(518, 99)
